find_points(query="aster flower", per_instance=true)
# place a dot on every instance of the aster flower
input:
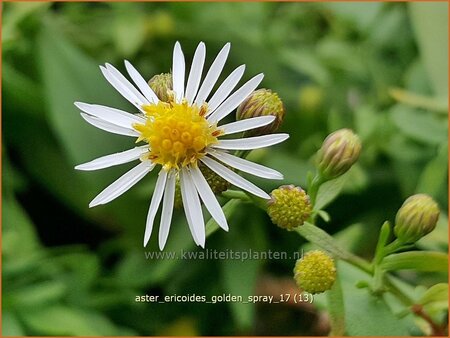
(178, 135)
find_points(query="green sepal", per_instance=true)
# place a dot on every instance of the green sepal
(416, 260)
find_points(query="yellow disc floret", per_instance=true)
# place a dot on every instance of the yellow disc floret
(315, 272)
(177, 133)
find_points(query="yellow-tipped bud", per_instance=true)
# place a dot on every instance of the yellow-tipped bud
(289, 206)
(315, 272)
(416, 218)
(338, 153)
(161, 84)
(262, 102)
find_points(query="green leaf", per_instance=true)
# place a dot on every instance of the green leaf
(157, 267)
(416, 260)
(129, 29)
(240, 275)
(11, 325)
(365, 314)
(329, 191)
(320, 238)
(37, 295)
(336, 309)
(304, 61)
(385, 231)
(419, 125)
(68, 76)
(61, 320)
(367, 121)
(438, 105)
(228, 209)
(21, 91)
(293, 168)
(437, 293)
(363, 15)
(434, 178)
(324, 215)
(430, 23)
(20, 238)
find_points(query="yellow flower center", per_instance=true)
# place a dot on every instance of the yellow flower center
(177, 133)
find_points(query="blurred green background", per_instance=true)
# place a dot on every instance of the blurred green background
(378, 68)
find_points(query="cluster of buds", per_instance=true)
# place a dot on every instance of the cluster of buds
(289, 206)
(262, 102)
(416, 218)
(315, 272)
(338, 153)
(162, 85)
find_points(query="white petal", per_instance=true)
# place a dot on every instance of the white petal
(212, 75)
(187, 212)
(208, 198)
(123, 90)
(247, 124)
(122, 184)
(247, 166)
(196, 72)
(225, 88)
(235, 99)
(192, 206)
(248, 143)
(111, 115)
(112, 128)
(178, 70)
(113, 159)
(154, 204)
(127, 84)
(167, 209)
(141, 83)
(234, 178)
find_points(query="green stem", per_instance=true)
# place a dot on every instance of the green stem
(314, 188)
(395, 246)
(336, 308)
(322, 239)
(392, 288)
(236, 194)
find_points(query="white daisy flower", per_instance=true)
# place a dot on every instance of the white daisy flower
(177, 136)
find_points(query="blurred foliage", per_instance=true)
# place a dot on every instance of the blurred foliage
(379, 68)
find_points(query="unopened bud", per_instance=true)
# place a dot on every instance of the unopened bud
(289, 206)
(315, 272)
(262, 102)
(338, 153)
(416, 218)
(216, 182)
(161, 84)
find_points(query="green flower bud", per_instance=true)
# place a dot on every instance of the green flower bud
(315, 272)
(161, 84)
(262, 102)
(338, 153)
(416, 218)
(289, 206)
(216, 183)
